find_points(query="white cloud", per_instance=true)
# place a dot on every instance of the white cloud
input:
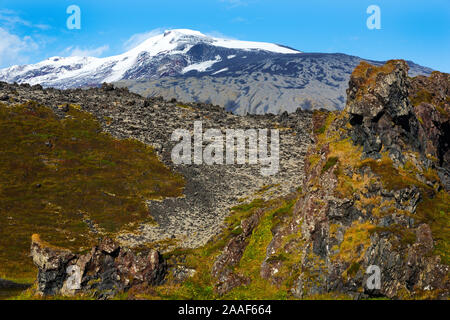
(138, 38)
(10, 19)
(13, 49)
(79, 52)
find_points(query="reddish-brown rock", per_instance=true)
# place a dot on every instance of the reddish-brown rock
(105, 271)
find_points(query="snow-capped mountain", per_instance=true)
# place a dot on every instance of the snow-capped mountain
(175, 52)
(241, 76)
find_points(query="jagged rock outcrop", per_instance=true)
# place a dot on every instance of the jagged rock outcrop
(390, 111)
(430, 99)
(379, 109)
(372, 194)
(106, 270)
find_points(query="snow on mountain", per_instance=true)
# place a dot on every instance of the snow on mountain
(161, 55)
(241, 76)
(202, 66)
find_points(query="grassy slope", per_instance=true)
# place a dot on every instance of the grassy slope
(202, 259)
(201, 285)
(54, 174)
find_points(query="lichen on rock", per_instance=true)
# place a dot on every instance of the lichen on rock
(365, 193)
(105, 271)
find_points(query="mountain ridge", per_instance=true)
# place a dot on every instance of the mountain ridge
(169, 43)
(240, 76)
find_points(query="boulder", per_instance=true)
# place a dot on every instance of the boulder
(106, 270)
(389, 110)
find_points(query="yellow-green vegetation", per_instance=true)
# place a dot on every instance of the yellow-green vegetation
(324, 124)
(434, 207)
(265, 189)
(58, 174)
(313, 160)
(367, 75)
(201, 285)
(406, 236)
(391, 177)
(183, 106)
(330, 163)
(254, 255)
(348, 156)
(356, 239)
(347, 153)
(425, 96)
(421, 96)
(435, 211)
(441, 110)
(339, 151)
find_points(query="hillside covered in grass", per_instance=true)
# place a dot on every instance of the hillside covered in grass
(67, 180)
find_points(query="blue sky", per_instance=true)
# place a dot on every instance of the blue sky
(417, 30)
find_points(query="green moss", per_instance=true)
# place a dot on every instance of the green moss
(441, 110)
(255, 252)
(353, 269)
(435, 211)
(391, 177)
(246, 207)
(250, 265)
(322, 122)
(330, 163)
(313, 160)
(421, 96)
(424, 96)
(321, 130)
(367, 75)
(237, 231)
(266, 188)
(356, 240)
(55, 174)
(405, 235)
(279, 257)
(420, 120)
(319, 122)
(433, 208)
(201, 285)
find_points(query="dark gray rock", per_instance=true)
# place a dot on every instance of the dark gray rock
(106, 270)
